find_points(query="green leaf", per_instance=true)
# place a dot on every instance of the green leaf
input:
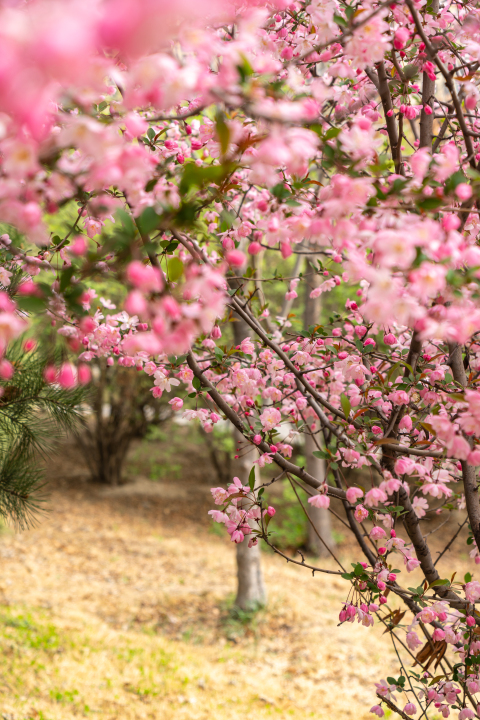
(148, 221)
(197, 384)
(410, 71)
(65, 277)
(194, 176)
(30, 303)
(321, 454)
(345, 403)
(151, 133)
(347, 576)
(435, 583)
(281, 192)
(218, 353)
(223, 131)
(467, 577)
(430, 203)
(251, 478)
(332, 133)
(175, 269)
(340, 20)
(126, 221)
(151, 184)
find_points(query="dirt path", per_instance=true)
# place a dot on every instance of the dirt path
(110, 609)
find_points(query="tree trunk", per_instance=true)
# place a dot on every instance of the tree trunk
(320, 517)
(251, 592)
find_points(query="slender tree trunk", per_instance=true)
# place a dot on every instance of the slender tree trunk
(251, 592)
(320, 517)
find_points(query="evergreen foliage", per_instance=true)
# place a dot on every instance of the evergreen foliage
(34, 415)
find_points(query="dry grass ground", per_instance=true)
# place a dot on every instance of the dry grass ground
(114, 607)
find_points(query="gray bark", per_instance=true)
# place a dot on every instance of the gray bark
(251, 592)
(320, 517)
(428, 93)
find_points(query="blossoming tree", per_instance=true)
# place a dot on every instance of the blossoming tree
(343, 130)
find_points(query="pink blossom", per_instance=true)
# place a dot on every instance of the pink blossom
(176, 403)
(376, 533)
(67, 376)
(472, 591)
(144, 277)
(375, 496)
(412, 563)
(270, 418)
(413, 641)
(463, 191)
(360, 513)
(399, 397)
(236, 258)
(319, 501)
(353, 494)
(410, 709)
(466, 714)
(405, 423)
(6, 370)
(420, 506)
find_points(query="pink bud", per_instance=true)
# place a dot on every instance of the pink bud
(463, 191)
(390, 339)
(381, 585)
(343, 615)
(50, 374)
(470, 621)
(66, 376)
(273, 448)
(428, 110)
(392, 577)
(382, 600)
(30, 345)
(135, 304)
(405, 423)
(79, 246)
(84, 374)
(271, 511)
(257, 439)
(235, 258)
(382, 550)
(6, 370)
(286, 250)
(438, 635)
(254, 248)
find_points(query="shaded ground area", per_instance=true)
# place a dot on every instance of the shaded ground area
(118, 606)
